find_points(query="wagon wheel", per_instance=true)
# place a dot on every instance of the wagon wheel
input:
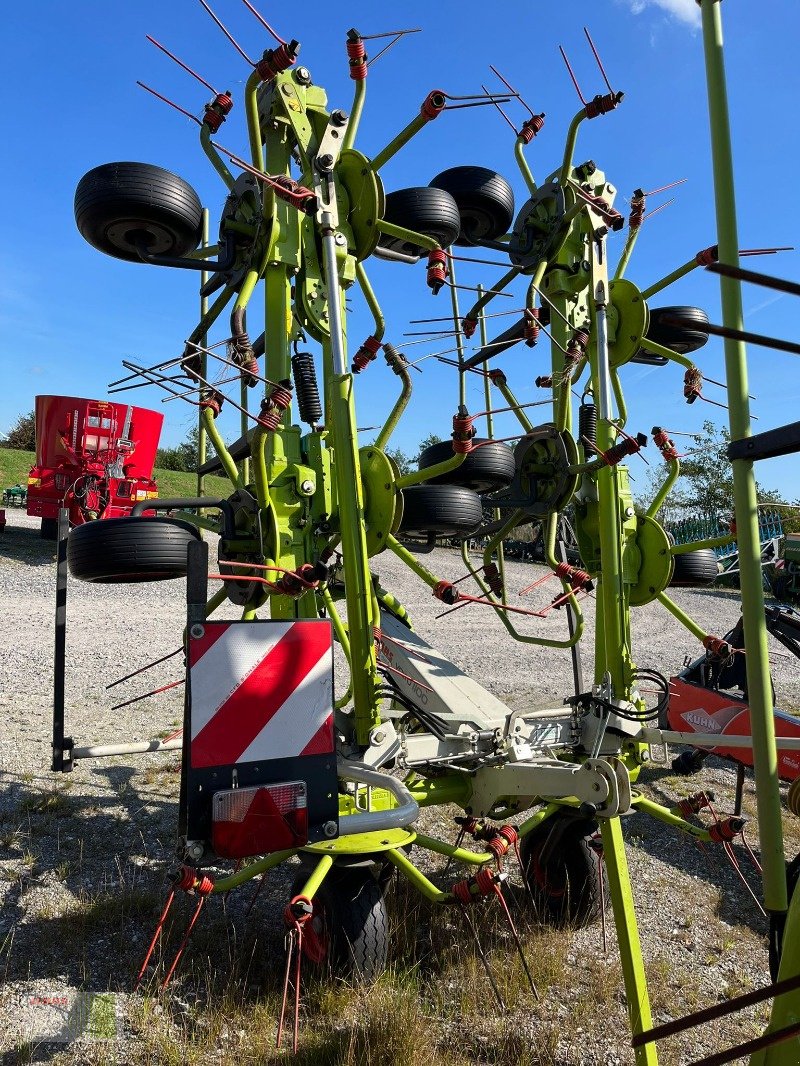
(348, 932)
(485, 202)
(694, 569)
(444, 510)
(681, 339)
(123, 550)
(431, 212)
(485, 469)
(567, 879)
(120, 207)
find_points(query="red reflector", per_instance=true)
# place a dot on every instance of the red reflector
(260, 820)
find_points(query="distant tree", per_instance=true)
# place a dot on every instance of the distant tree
(181, 456)
(403, 461)
(705, 485)
(426, 442)
(22, 434)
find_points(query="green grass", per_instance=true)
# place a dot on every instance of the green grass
(15, 464)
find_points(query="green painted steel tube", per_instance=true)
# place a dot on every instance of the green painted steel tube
(209, 318)
(667, 353)
(682, 617)
(201, 429)
(392, 604)
(344, 642)
(522, 163)
(744, 484)
(359, 97)
(462, 383)
(396, 413)
(487, 396)
(417, 477)
(318, 875)
(253, 869)
(475, 858)
(214, 156)
(417, 878)
(512, 401)
(358, 580)
(569, 148)
(253, 123)
(410, 235)
(676, 275)
(710, 542)
(627, 251)
(673, 473)
(619, 397)
(663, 814)
(630, 948)
(536, 819)
(403, 137)
(522, 638)
(372, 302)
(258, 449)
(207, 417)
(411, 561)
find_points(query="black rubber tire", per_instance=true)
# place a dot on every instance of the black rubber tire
(123, 550)
(486, 469)
(48, 530)
(571, 887)
(351, 919)
(432, 212)
(117, 204)
(696, 569)
(681, 339)
(485, 202)
(445, 510)
(781, 584)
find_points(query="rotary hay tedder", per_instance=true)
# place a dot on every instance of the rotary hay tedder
(274, 765)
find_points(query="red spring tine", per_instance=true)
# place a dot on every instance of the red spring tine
(660, 207)
(511, 89)
(238, 47)
(502, 112)
(672, 185)
(569, 69)
(171, 103)
(263, 21)
(597, 57)
(180, 63)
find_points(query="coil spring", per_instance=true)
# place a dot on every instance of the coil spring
(576, 348)
(484, 881)
(305, 387)
(664, 444)
(692, 384)
(587, 422)
(493, 579)
(531, 326)
(531, 127)
(276, 60)
(544, 381)
(217, 111)
(357, 54)
(273, 406)
(469, 325)
(638, 201)
(695, 803)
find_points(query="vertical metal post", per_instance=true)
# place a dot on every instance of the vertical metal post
(61, 744)
(630, 949)
(744, 485)
(201, 429)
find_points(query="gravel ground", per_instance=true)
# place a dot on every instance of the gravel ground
(102, 837)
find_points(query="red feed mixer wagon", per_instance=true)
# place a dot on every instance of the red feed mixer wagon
(94, 457)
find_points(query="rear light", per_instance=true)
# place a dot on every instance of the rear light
(259, 820)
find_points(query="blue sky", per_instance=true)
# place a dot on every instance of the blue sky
(69, 314)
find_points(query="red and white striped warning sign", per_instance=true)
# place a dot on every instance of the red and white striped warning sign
(260, 690)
